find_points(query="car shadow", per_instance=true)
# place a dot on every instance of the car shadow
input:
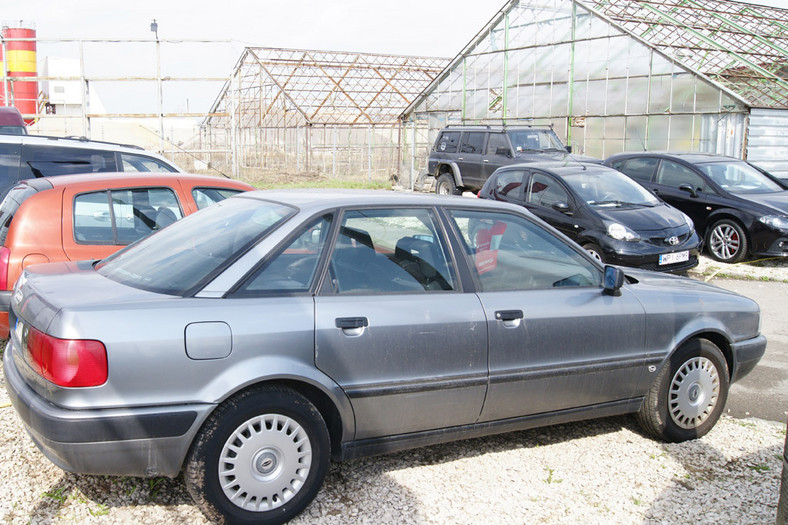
(713, 489)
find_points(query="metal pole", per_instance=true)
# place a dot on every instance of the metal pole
(413, 155)
(85, 92)
(369, 154)
(161, 98)
(5, 73)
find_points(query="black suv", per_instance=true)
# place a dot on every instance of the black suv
(464, 157)
(33, 156)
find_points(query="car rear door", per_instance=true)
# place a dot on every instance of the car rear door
(556, 341)
(394, 329)
(469, 159)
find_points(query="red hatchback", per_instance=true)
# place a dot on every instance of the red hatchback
(91, 216)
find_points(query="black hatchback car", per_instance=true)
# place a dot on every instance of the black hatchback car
(612, 217)
(739, 208)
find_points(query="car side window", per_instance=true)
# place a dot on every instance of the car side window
(293, 268)
(545, 191)
(447, 142)
(205, 197)
(641, 168)
(138, 163)
(512, 253)
(674, 174)
(123, 216)
(49, 161)
(472, 142)
(497, 141)
(510, 184)
(9, 166)
(390, 251)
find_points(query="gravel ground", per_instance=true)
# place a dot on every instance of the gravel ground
(603, 471)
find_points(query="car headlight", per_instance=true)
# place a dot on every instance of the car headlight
(689, 222)
(778, 222)
(621, 233)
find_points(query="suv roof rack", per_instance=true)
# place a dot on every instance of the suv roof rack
(85, 139)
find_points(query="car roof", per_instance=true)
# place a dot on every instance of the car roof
(563, 167)
(74, 142)
(692, 157)
(118, 179)
(324, 199)
(484, 127)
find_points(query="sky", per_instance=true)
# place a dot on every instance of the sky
(401, 27)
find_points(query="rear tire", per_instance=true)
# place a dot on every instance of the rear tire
(688, 395)
(261, 457)
(446, 185)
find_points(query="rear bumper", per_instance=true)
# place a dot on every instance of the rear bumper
(150, 441)
(747, 353)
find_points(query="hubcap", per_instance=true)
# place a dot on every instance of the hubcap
(595, 255)
(725, 241)
(694, 392)
(443, 189)
(265, 462)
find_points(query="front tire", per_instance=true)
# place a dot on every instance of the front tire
(688, 395)
(594, 251)
(446, 185)
(260, 458)
(727, 241)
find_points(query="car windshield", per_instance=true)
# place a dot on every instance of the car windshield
(535, 140)
(609, 189)
(739, 177)
(185, 255)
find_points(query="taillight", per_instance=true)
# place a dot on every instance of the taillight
(5, 255)
(67, 362)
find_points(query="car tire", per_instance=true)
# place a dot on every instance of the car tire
(446, 185)
(727, 241)
(261, 457)
(594, 251)
(688, 395)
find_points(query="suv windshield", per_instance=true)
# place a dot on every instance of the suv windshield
(739, 177)
(535, 140)
(178, 259)
(609, 189)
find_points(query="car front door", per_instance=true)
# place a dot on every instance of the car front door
(556, 341)
(394, 329)
(469, 159)
(670, 176)
(543, 192)
(497, 153)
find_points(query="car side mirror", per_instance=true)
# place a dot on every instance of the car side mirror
(504, 152)
(563, 207)
(614, 280)
(689, 189)
(568, 149)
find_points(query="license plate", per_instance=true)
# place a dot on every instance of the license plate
(673, 258)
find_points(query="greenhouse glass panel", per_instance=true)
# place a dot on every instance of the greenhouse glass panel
(638, 59)
(615, 128)
(497, 36)
(616, 96)
(544, 64)
(661, 66)
(708, 98)
(684, 133)
(596, 100)
(659, 101)
(637, 95)
(658, 131)
(561, 62)
(636, 131)
(495, 69)
(542, 101)
(559, 99)
(525, 101)
(580, 98)
(684, 93)
(618, 51)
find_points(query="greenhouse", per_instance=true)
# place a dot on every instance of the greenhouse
(620, 75)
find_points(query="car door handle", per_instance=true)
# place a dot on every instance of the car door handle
(351, 322)
(508, 315)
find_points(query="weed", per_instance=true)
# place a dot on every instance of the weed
(102, 510)
(759, 468)
(636, 501)
(154, 486)
(550, 479)
(57, 494)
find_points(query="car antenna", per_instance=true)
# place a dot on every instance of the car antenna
(642, 142)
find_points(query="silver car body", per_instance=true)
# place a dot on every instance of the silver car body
(425, 368)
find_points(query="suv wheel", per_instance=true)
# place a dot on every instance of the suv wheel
(446, 186)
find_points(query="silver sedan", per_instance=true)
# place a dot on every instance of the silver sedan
(252, 342)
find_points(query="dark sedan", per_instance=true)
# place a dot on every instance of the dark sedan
(613, 218)
(739, 208)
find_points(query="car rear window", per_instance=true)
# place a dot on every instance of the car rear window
(10, 204)
(181, 259)
(205, 197)
(46, 161)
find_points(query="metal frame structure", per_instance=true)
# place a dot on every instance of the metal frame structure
(615, 75)
(327, 112)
